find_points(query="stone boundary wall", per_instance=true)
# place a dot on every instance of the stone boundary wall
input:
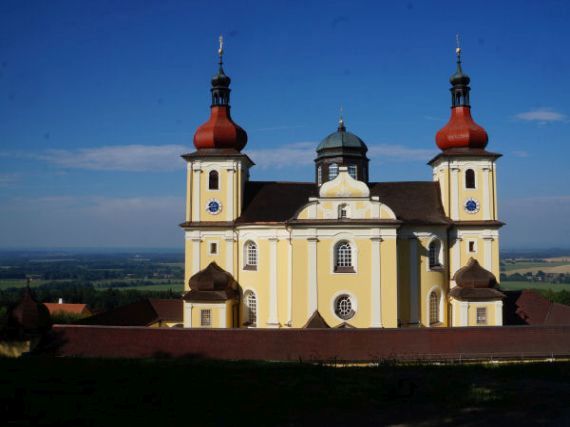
(367, 345)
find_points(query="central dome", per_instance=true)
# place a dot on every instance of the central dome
(341, 139)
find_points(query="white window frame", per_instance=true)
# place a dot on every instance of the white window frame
(354, 254)
(355, 168)
(439, 254)
(343, 207)
(353, 302)
(486, 313)
(336, 168)
(246, 255)
(441, 306)
(247, 308)
(319, 175)
(206, 313)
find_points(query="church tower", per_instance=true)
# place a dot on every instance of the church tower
(216, 176)
(466, 172)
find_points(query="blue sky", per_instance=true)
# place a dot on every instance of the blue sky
(99, 98)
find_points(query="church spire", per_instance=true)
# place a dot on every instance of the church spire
(461, 131)
(220, 131)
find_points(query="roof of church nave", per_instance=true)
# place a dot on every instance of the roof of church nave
(278, 202)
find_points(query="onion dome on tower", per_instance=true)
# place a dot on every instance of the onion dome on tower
(461, 131)
(220, 131)
(341, 148)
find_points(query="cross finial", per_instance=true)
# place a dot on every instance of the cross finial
(221, 48)
(458, 47)
(340, 119)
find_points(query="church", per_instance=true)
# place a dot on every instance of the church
(341, 251)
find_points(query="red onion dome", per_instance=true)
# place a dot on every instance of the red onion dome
(461, 131)
(220, 131)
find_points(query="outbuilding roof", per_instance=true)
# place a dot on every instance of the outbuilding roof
(140, 313)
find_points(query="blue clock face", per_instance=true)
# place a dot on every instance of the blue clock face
(213, 206)
(472, 206)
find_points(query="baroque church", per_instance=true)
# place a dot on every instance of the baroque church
(341, 251)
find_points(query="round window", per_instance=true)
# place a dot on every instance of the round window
(343, 307)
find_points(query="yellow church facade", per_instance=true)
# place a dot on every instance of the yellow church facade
(341, 251)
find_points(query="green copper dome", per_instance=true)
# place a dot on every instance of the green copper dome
(342, 139)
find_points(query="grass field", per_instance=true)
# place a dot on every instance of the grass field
(76, 392)
(515, 286)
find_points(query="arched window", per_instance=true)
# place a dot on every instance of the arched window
(434, 254)
(250, 307)
(344, 307)
(469, 178)
(319, 175)
(250, 256)
(343, 258)
(213, 180)
(333, 171)
(342, 211)
(433, 308)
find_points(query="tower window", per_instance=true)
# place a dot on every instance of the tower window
(319, 175)
(206, 317)
(481, 315)
(469, 178)
(333, 171)
(250, 256)
(434, 254)
(343, 258)
(250, 308)
(343, 307)
(472, 246)
(213, 180)
(352, 171)
(433, 308)
(213, 248)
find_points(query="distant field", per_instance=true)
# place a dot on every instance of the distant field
(20, 283)
(176, 287)
(158, 284)
(516, 286)
(547, 267)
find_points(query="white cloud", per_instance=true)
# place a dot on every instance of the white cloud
(399, 153)
(91, 221)
(541, 115)
(131, 158)
(303, 154)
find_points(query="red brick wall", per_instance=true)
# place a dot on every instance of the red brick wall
(313, 344)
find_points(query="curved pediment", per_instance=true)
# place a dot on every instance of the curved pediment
(344, 186)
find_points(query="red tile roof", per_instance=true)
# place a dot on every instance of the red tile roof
(67, 308)
(528, 307)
